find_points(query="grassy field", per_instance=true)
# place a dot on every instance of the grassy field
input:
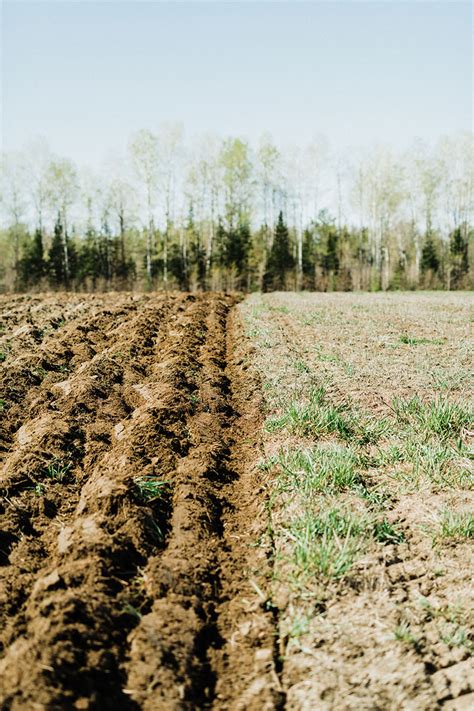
(370, 514)
(254, 504)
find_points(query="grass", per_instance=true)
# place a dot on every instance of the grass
(57, 470)
(440, 417)
(385, 532)
(321, 469)
(412, 341)
(150, 488)
(456, 636)
(315, 416)
(403, 633)
(455, 525)
(325, 544)
(345, 466)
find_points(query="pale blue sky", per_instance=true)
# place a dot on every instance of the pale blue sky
(87, 74)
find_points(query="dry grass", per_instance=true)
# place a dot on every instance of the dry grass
(368, 440)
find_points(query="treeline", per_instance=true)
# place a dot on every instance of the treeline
(225, 216)
(333, 259)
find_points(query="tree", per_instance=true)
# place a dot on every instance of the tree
(62, 190)
(13, 182)
(429, 255)
(143, 149)
(280, 260)
(170, 145)
(459, 256)
(237, 171)
(32, 267)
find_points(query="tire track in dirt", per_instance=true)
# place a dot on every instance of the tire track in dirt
(135, 604)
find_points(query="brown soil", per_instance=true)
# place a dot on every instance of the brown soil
(109, 601)
(338, 637)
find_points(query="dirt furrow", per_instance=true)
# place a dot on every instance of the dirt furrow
(115, 598)
(90, 550)
(209, 640)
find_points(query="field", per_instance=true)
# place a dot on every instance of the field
(210, 502)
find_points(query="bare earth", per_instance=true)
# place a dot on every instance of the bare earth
(393, 629)
(164, 543)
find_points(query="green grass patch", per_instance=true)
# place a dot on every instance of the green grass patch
(455, 525)
(150, 488)
(325, 544)
(57, 470)
(412, 341)
(315, 417)
(323, 469)
(439, 417)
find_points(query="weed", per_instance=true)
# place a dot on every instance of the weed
(326, 544)
(194, 398)
(403, 633)
(385, 532)
(301, 367)
(440, 417)
(412, 341)
(39, 372)
(132, 611)
(456, 525)
(150, 488)
(455, 636)
(321, 469)
(375, 497)
(58, 470)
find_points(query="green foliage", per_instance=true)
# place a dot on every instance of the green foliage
(57, 470)
(325, 544)
(150, 488)
(32, 267)
(319, 470)
(456, 525)
(459, 254)
(429, 255)
(280, 261)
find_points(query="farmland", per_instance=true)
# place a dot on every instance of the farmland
(210, 502)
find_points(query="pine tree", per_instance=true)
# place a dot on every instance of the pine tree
(56, 267)
(280, 260)
(32, 267)
(459, 257)
(429, 256)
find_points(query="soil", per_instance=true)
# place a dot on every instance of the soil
(177, 600)
(111, 599)
(338, 638)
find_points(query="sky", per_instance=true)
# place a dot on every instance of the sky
(85, 75)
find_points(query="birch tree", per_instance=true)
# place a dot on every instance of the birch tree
(143, 149)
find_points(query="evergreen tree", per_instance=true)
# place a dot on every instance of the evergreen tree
(89, 263)
(56, 267)
(429, 256)
(32, 267)
(459, 256)
(177, 266)
(280, 260)
(330, 257)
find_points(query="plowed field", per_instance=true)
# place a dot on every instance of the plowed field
(249, 506)
(129, 574)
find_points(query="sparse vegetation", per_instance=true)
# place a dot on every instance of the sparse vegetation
(150, 488)
(363, 448)
(57, 470)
